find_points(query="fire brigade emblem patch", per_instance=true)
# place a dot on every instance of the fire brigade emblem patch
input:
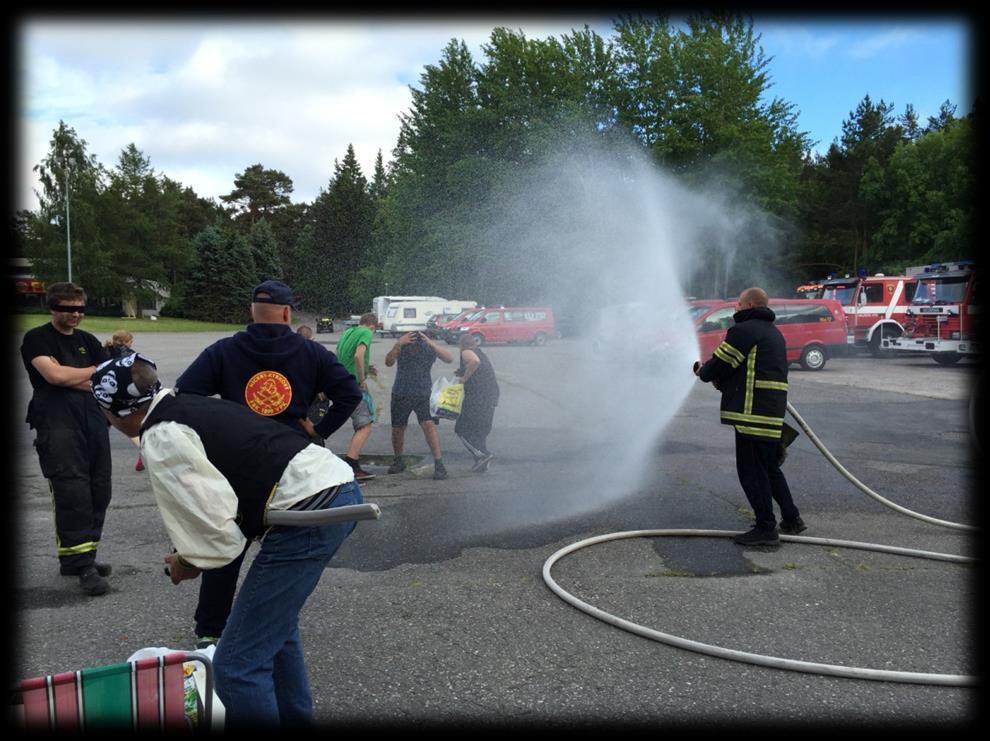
(268, 393)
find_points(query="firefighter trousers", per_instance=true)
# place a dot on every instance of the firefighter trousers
(762, 481)
(75, 458)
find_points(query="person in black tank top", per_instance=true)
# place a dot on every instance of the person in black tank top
(481, 394)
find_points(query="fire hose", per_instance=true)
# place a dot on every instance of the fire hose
(853, 672)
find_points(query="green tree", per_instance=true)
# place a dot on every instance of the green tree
(923, 200)
(264, 252)
(257, 193)
(132, 226)
(222, 277)
(69, 216)
(343, 216)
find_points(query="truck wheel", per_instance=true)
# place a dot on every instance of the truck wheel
(876, 350)
(479, 339)
(540, 340)
(813, 358)
(946, 358)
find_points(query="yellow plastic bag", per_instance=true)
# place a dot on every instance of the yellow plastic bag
(446, 399)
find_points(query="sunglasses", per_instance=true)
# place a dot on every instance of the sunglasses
(68, 309)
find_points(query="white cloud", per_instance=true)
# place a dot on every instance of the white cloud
(883, 42)
(205, 100)
(798, 41)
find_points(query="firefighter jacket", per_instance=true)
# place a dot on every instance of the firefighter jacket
(750, 369)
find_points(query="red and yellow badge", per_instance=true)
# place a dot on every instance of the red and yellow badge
(268, 393)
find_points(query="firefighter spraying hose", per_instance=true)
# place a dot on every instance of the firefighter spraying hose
(759, 659)
(949, 680)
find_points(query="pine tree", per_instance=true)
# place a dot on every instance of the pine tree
(264, 252)
(222, 277)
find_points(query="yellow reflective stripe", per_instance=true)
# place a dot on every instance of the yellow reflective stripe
(733, 352)
(754, 418)
(777, 385)
(726, 357)
(750, 380)
(759, 431)
(72, 550)
(81, 548)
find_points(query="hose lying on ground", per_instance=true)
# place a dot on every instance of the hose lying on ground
(951, 680)
(863, 487)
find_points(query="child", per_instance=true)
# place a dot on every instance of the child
(119, 345)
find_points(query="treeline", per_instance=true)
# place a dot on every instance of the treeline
(891, 192)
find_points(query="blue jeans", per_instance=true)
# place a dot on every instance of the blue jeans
(260, 673)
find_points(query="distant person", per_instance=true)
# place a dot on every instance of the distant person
(414, 355)
(750, 369)
(318, 409)
(216, 469)
(481, 393)
(120, 344)
(276, 373)
(72, 437)
(354, 351)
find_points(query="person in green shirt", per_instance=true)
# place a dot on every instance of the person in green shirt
(354, 351)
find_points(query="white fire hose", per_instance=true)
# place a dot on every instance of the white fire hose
(951, 680)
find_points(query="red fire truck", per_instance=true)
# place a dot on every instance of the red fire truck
(876, 307)
(943, 315)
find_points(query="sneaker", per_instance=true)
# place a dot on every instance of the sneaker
(793, 528)
(756, 536)
(103, 569)
(481, 465)
(361, 475)
(439, 471)
(398, 466)
(139, 466)
(92, 583)
(206, 642)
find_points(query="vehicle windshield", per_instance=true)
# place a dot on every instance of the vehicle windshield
(473, 315)
(940, 291)
(697, 310)
(845, 295)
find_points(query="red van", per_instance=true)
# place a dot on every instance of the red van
(814, 329)
(532, 324)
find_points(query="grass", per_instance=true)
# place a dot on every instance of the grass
(107, 325)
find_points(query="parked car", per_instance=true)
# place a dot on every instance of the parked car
(451, 330)
(527, 324)
(437, 324)
(814, 329)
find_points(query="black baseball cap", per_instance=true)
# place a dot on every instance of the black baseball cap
(278, 293)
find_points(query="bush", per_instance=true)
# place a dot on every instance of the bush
(173, 309)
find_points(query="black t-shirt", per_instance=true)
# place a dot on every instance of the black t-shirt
(60, 404)
(412, 372)
(77, 350)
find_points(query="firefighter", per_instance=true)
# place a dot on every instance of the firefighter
(750, 369)
(72, 442)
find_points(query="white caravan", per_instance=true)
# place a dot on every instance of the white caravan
(412, 315)
(380, 304)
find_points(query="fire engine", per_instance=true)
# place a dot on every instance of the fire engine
(876, 308)
(943, 315)
(809, 290)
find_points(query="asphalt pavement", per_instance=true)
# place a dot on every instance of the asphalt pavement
(437, 614)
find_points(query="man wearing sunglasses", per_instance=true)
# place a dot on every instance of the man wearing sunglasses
(72, 441)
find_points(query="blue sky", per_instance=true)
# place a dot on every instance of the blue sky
(206, 98)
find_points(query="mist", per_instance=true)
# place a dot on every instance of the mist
(602, 234)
